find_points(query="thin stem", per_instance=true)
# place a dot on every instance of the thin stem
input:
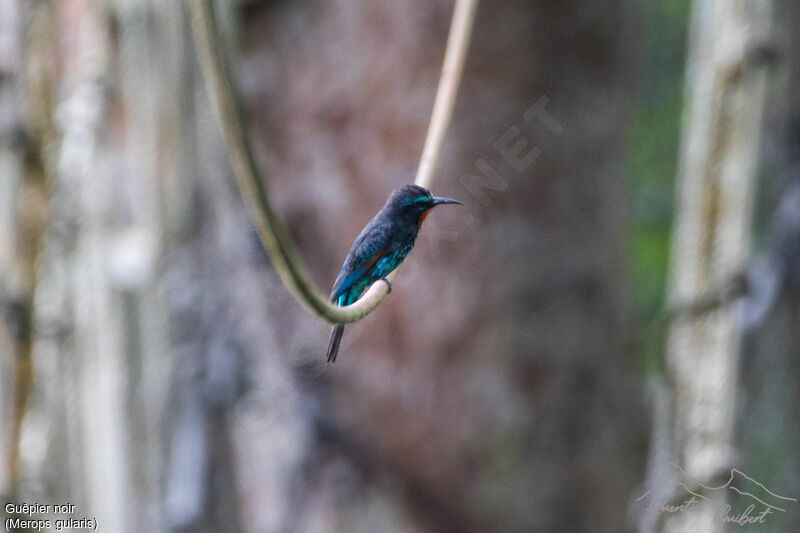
(252, 185)
(450, 79)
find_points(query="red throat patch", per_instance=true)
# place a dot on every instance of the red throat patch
(423, 216)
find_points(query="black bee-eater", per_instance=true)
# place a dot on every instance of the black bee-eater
(381, 247)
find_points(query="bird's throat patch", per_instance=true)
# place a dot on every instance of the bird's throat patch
(424, 215)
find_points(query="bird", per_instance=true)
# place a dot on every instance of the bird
(381, 247)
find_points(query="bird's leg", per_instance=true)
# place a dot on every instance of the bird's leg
(388, 284)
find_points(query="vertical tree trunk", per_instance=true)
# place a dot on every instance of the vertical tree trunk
(716, 187)
(11, 170)
(81, 344)
(26, 98)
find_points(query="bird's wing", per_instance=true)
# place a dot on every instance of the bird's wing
(367, 249)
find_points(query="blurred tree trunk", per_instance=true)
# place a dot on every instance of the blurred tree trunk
(26, 132)
(80, 351)
(11, 171)
(716, 186)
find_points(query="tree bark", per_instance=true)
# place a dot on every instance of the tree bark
(716, 187)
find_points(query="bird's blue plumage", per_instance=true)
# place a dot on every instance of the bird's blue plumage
(380, 248)
(367, 250)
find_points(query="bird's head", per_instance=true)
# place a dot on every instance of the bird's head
(415, 202)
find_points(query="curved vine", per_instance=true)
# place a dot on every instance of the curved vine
(251, 183)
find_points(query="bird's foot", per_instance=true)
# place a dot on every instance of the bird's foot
(388, 284)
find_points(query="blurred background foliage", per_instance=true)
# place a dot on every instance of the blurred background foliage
(651, 159)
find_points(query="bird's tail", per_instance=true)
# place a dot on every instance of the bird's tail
(336, 338)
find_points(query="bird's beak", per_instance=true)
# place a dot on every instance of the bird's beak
(439, 200)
